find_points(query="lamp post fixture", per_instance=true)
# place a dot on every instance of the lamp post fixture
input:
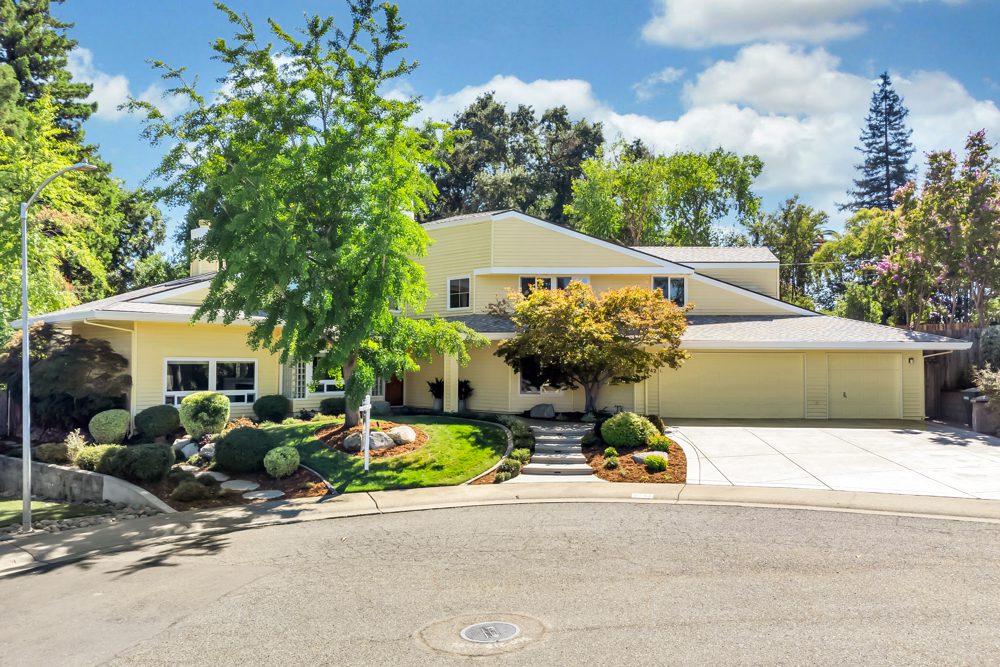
(25, 348)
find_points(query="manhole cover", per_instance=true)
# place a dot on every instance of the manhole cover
(490, 632)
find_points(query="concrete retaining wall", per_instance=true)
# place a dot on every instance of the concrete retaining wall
(74, 485)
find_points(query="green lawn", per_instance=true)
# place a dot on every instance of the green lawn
(10, 511)
(456, 451)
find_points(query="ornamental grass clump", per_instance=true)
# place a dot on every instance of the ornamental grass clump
(627, 429)
(204, 412)
(281, 462)
(109, 427)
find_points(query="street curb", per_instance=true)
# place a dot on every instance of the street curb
(51, 549)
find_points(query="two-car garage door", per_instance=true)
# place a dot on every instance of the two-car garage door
(773, 385)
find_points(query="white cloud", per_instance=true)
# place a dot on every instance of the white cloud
(794, 108)
(113, 90)
(651, 85)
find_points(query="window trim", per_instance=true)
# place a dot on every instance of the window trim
(554, 278)
(178, 396)
(652, 282)
(447, 292)
(310, 369)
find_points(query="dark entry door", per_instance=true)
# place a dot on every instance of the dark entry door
(394, 391)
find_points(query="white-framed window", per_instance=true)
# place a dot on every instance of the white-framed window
(459, 292)
(326, 386)
(527, 283)
(529, 382)
(673, 288)
(234, 378)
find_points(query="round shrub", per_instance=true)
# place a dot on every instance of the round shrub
(522, 455)
(52, 452)
(158, 421)
(501, 477)
(333, 406)
(611, 462)
(273, 408)
(510, 466)
(110, 426)
(281, 462)
(204, 412)
(656, 463)
(659, 443)
(105, 459)
(610, 452)
(627, 429)
(190, 490)
(243, 449)
(147, 463)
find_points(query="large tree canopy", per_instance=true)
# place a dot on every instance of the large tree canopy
(306, 172)
(634, 197)
(513, 159)
(574, 338)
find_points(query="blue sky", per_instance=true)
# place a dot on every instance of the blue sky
(786, 79)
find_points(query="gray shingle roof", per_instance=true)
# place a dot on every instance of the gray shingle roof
(466, 216)
(769, 331)
(705, 254)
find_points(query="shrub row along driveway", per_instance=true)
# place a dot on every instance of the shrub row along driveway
(880, 456)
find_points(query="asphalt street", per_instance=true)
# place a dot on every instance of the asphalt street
(588, 583)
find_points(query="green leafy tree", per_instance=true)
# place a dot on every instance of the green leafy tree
(512, 159)
(859, 302)
(793, 233)
(573, 338)
(36, 47)
(306, 170)
(979, 262)
(885, 144)
(637, 198)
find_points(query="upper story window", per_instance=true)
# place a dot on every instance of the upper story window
(234, 378)
(561, 282)
(672, 288)
(459, 292)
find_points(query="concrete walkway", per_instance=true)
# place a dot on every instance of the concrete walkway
(558, 453)
(868, 456)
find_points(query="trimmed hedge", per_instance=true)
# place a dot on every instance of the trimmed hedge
(281, 462)
(101, 458)
(110, 426)
(627, 429)
(204, 412)
(138, 463)
(243, 449)
(273, 408)
(158, 421)
(333, 406)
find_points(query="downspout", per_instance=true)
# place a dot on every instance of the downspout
(131, 364)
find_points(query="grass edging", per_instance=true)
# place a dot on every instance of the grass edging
(510, 448)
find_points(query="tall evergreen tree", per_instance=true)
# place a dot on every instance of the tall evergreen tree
(885, 143)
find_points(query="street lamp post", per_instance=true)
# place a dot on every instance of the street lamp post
(25, 348)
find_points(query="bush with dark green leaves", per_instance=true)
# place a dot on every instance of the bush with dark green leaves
(524, 437)
(510, 466)
(178, 476)
(659, 443)
(627, 429)
(333, 406)
(611, 462)
(243, 449)
(207, 480)
(281, 462)
(522, 455)
(501, 477)
(609, 452)
(273, 408)
(191, 490)
(656, 421)
(656, 463)
(105, 459)
(204, 412)
(148, 462)
(109, 427)
(158, 421)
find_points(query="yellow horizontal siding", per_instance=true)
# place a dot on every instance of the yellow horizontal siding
(415, 391)
(763, 280)
(520, 243)
(456, 251)
(709, 299)
(487, 374)
(817, 384)
(120, 341)
(157, 342)
(194, 298)
(913, 385)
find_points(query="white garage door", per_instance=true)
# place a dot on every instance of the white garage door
(735, 385)
(865, 386)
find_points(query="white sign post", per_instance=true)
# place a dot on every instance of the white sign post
(366, 426)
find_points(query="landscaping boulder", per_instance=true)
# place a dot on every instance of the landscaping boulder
(543, 411)
(354, 442)
(180, 443)
(640, 457)
(189, 450)
(208, 451)
(402, 435)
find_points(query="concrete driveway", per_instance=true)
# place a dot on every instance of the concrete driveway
(880, 456)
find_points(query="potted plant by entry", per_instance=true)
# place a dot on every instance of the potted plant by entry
(436, 387)
(464, 392)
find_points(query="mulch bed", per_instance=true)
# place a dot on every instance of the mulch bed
(301, 484)
(629, 470)
(333, 436)
(486, 479)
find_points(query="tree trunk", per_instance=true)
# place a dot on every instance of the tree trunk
(591, 391)
(352, 417)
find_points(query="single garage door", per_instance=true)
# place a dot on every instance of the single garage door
(734, 385)
(864, 386)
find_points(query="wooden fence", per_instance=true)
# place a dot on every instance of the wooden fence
(950, 372)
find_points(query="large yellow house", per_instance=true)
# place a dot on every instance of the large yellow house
(752, 355)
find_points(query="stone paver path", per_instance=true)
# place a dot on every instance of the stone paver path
(888, 457)
(266, 494)
(240, 485)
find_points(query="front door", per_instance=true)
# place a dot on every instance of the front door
(394, 391)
